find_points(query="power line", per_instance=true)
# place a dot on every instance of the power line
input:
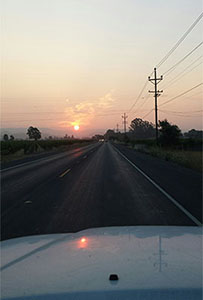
(186, 56)
(34, 120)
(31, 113)
(147, 113)
(51, 119)
(138, 97)
(174, 81)
(179, 41)
(181, 94)
(167, 56)
(181, 115)
(194, 95)
(176, 78)
(143, 103)
(170, 52)
(182, 112)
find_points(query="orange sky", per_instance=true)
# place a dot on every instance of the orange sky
(67, 63)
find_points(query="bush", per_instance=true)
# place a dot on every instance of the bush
(169, 134)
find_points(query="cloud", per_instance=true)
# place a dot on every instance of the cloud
(83, 112)
(106, 102)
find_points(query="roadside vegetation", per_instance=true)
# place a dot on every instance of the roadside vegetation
(12, 149)
(187, 158)
(184, 149)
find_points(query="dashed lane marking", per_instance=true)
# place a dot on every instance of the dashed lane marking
(64, 173)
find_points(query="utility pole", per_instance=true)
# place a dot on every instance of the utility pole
(117, 128)
(157, 93)
(161, 252)
(124, 121)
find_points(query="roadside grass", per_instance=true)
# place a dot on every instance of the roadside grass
(187, 153)
(14, 156)
(189, 159)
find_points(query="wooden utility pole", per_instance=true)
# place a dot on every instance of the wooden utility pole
(124, 121)
(157, 93)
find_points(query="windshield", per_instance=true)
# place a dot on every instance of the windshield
(101, 149)
(101, 115)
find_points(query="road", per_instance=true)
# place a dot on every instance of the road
(101, 184)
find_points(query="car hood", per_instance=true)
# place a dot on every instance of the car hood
(152, 262)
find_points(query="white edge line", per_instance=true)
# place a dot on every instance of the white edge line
(187, 213)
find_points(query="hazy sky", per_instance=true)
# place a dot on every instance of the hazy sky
(67, 62)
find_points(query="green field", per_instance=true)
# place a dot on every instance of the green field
(16, 149)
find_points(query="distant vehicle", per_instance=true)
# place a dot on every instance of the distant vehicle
(101, 140)
(138, 262)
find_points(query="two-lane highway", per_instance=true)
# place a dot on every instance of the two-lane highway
(92, 186)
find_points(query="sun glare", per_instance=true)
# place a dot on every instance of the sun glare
(76, 127)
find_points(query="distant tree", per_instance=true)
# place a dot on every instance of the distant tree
(98, 137)
(194, 134)
(141, 129)
(50, 137)
(34, 133)
(5, 137)
(72, 137)
(66, 136)
(12, 137)
(169, 134)
(110, 134)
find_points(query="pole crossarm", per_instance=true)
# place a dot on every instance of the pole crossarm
(155, 81)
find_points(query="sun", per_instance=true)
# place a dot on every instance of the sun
(76, 127)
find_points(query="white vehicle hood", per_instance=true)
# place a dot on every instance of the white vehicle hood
(152, 262)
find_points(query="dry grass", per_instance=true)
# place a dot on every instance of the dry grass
(189, 159)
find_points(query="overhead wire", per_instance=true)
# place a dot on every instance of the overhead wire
(180, 115)
(139, 96)
(166, 57)
(184, 75)
(180, 41)
(182, 94)
(168, 54)
(143, 103)
(57, 112)
(182, 112)
(180, 61)
(176, 78)
(147, 114)
(53, 119)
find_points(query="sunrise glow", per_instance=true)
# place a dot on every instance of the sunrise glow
(83, 82)
(76, 127)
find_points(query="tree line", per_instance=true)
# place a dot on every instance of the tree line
(34, 134)
(169, 134)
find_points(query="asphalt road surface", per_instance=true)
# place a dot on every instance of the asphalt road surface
(102, 184)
